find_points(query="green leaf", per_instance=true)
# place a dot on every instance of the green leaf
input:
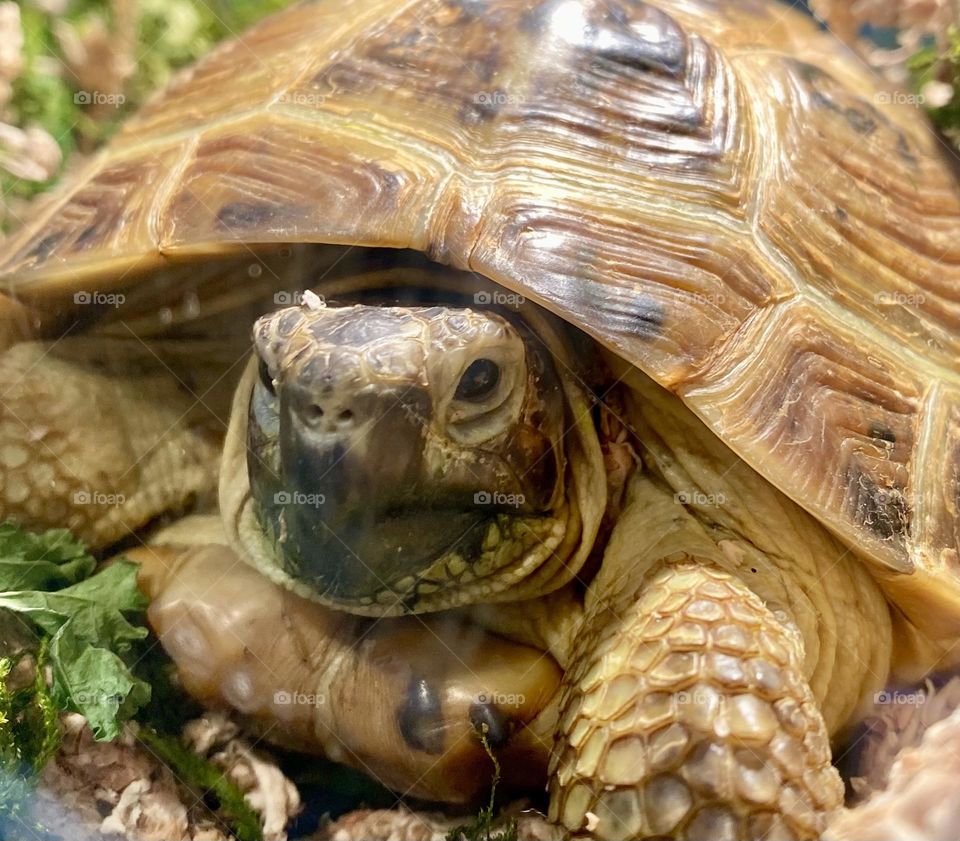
(94, 682)
(89, 637)
(35, 607)
(114, 587)
(46, 561)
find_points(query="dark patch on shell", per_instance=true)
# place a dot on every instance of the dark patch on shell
(488, 64)
(470, 9)
(339, 77)
(808, 72)
(840, 214)
(533, 20)
(642, 37)
(419, 717)
(882, 432)
(863, 117)
(648, 319)
(904, 150)
(489, 721)
(88, 235)
(43, 249)
(289, 322)
(859, 121)
(884, 511)
(244, 214)
(399, 53)
(817, 80)
(483, 108)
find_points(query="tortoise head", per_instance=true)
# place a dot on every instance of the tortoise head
(402, 458)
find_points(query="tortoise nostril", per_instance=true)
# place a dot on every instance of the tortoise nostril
(329, 418)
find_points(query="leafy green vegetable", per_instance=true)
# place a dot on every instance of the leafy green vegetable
(89, 644)
(205, 778)
(41, 562)
(81, 619)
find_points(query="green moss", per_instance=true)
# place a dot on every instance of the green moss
(206, 780)
(29, 736)
(928, 65)
(486, 826)
(170, 34)
(175, 33)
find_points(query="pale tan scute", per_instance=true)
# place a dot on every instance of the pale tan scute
(713, 189)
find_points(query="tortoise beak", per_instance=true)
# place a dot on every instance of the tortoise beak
(351, 516)
(354, 449)
(339, 477)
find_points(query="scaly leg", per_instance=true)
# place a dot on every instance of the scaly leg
(100, 436)
(686, 712)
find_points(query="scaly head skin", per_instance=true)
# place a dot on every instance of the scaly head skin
(404, 456)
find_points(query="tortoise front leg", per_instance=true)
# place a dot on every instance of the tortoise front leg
(686, 711)
(402, 699)
(101, 436)
(688, 716)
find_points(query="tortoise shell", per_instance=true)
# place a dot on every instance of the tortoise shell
(715, 191)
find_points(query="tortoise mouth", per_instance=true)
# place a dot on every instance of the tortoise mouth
(393, 557)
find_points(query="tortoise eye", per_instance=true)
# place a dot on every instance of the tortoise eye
(265, 379)
(478, 381)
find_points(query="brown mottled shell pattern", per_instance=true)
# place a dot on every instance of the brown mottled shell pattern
(712, 189)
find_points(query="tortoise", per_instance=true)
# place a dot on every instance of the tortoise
(604, 397)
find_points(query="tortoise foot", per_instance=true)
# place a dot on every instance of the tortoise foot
(400, 699)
